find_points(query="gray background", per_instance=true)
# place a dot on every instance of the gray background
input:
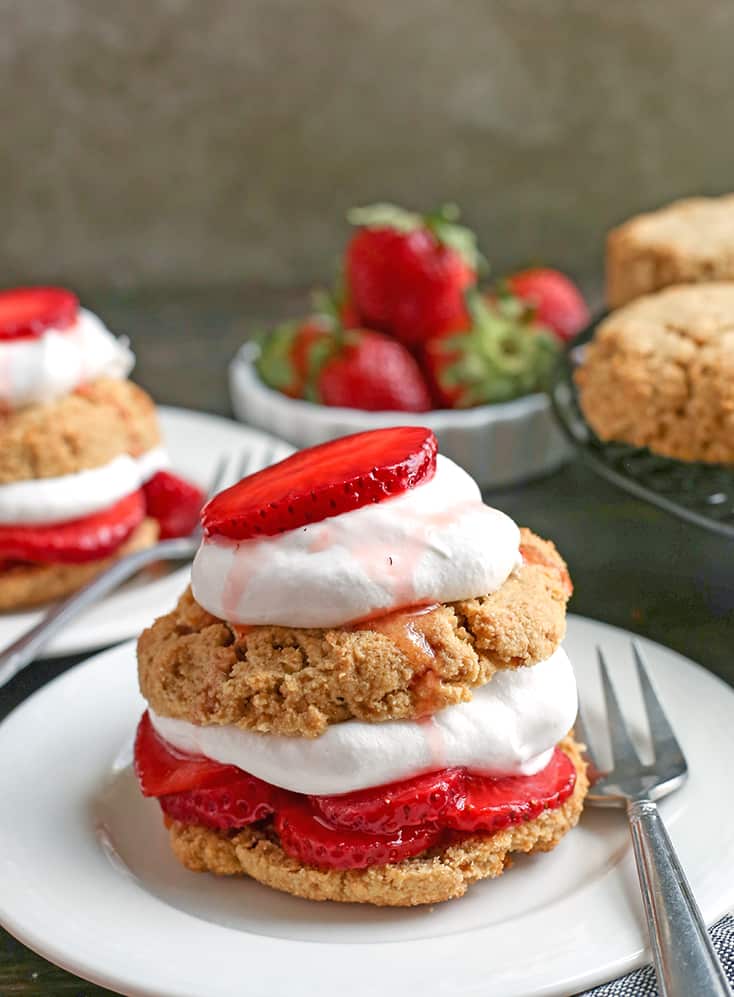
(170, 143)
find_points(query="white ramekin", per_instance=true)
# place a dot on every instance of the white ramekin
(498, 445)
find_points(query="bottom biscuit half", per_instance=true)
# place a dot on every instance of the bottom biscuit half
(25, 585)
(442, 873)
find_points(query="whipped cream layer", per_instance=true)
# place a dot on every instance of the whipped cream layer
(436, 542)
(72, 496)
(510, 727)
(60, 360)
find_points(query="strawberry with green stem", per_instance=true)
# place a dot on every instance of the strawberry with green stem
(322, 362)
(501, 355)
(406, 274)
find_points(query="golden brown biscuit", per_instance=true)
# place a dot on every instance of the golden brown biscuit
(440, 874)
(85, 429)
(296, 682)
(26, 585)
(660, 374)
(689, 241)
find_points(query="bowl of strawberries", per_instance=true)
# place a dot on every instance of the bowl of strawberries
(413, 337)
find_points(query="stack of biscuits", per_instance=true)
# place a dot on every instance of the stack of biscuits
(77, 441)
(247, 697)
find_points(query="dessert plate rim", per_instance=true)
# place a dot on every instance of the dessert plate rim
(124, 613)
(65, 896)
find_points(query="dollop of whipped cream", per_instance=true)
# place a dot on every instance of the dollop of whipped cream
(72, 496)
(436, 542)
(509, 727)
(60, 360)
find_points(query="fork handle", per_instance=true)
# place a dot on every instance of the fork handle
(26, 648)
(684, 958)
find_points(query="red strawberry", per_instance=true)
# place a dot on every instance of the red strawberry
(491, 804)
(500, 356)
(556, 301)
(26, 312)
(78, 541)
(174, 502)
(406, 274)
(292, 353)
(372, 372)
(323, 481)
(161, 770)
(242, 801)
(312, 841)
(385, 809)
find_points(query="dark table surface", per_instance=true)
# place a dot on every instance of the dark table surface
(632, 565)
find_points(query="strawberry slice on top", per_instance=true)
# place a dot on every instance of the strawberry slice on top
(323, 481)
(27, 312)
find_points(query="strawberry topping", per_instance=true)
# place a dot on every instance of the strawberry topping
(75, 542)
(161, 770)
(376, 826)
(323, 481)
(490, 804)
(174, 502)
(309, 839)
(234, 804)
(385, 809)
(26, 312)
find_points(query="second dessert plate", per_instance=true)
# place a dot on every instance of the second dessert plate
(195, 442)
(89, 882)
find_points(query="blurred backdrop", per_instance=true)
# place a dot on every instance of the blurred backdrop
(170, 143)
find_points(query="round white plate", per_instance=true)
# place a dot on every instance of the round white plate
(88, 880)
(195, 442)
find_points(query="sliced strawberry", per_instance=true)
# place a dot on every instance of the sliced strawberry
(311, 840)
(490, 804)
(323, 481)
(78, 541)
(26, 312)
(242, 801)
(174, 502)
(162, 771)
(385, 809)
(555, 300)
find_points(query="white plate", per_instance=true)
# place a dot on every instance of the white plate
(88, 880)
(195, 441)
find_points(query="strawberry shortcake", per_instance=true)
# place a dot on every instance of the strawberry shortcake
(83, 473)
(363, 695)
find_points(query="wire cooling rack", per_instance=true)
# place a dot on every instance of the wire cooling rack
(702, 494)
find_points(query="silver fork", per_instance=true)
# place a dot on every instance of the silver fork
(26, 648)
(685, 961)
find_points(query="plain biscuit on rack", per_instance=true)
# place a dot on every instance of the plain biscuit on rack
(659, 373)
(689, 241)
(296, 682)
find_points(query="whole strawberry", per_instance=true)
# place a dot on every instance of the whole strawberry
(372, 372)
(321, 362)
(406, 274)
(500, 356)
(555, 300)
(291, 354)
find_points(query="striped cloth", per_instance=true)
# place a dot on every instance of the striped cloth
(641, 983)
